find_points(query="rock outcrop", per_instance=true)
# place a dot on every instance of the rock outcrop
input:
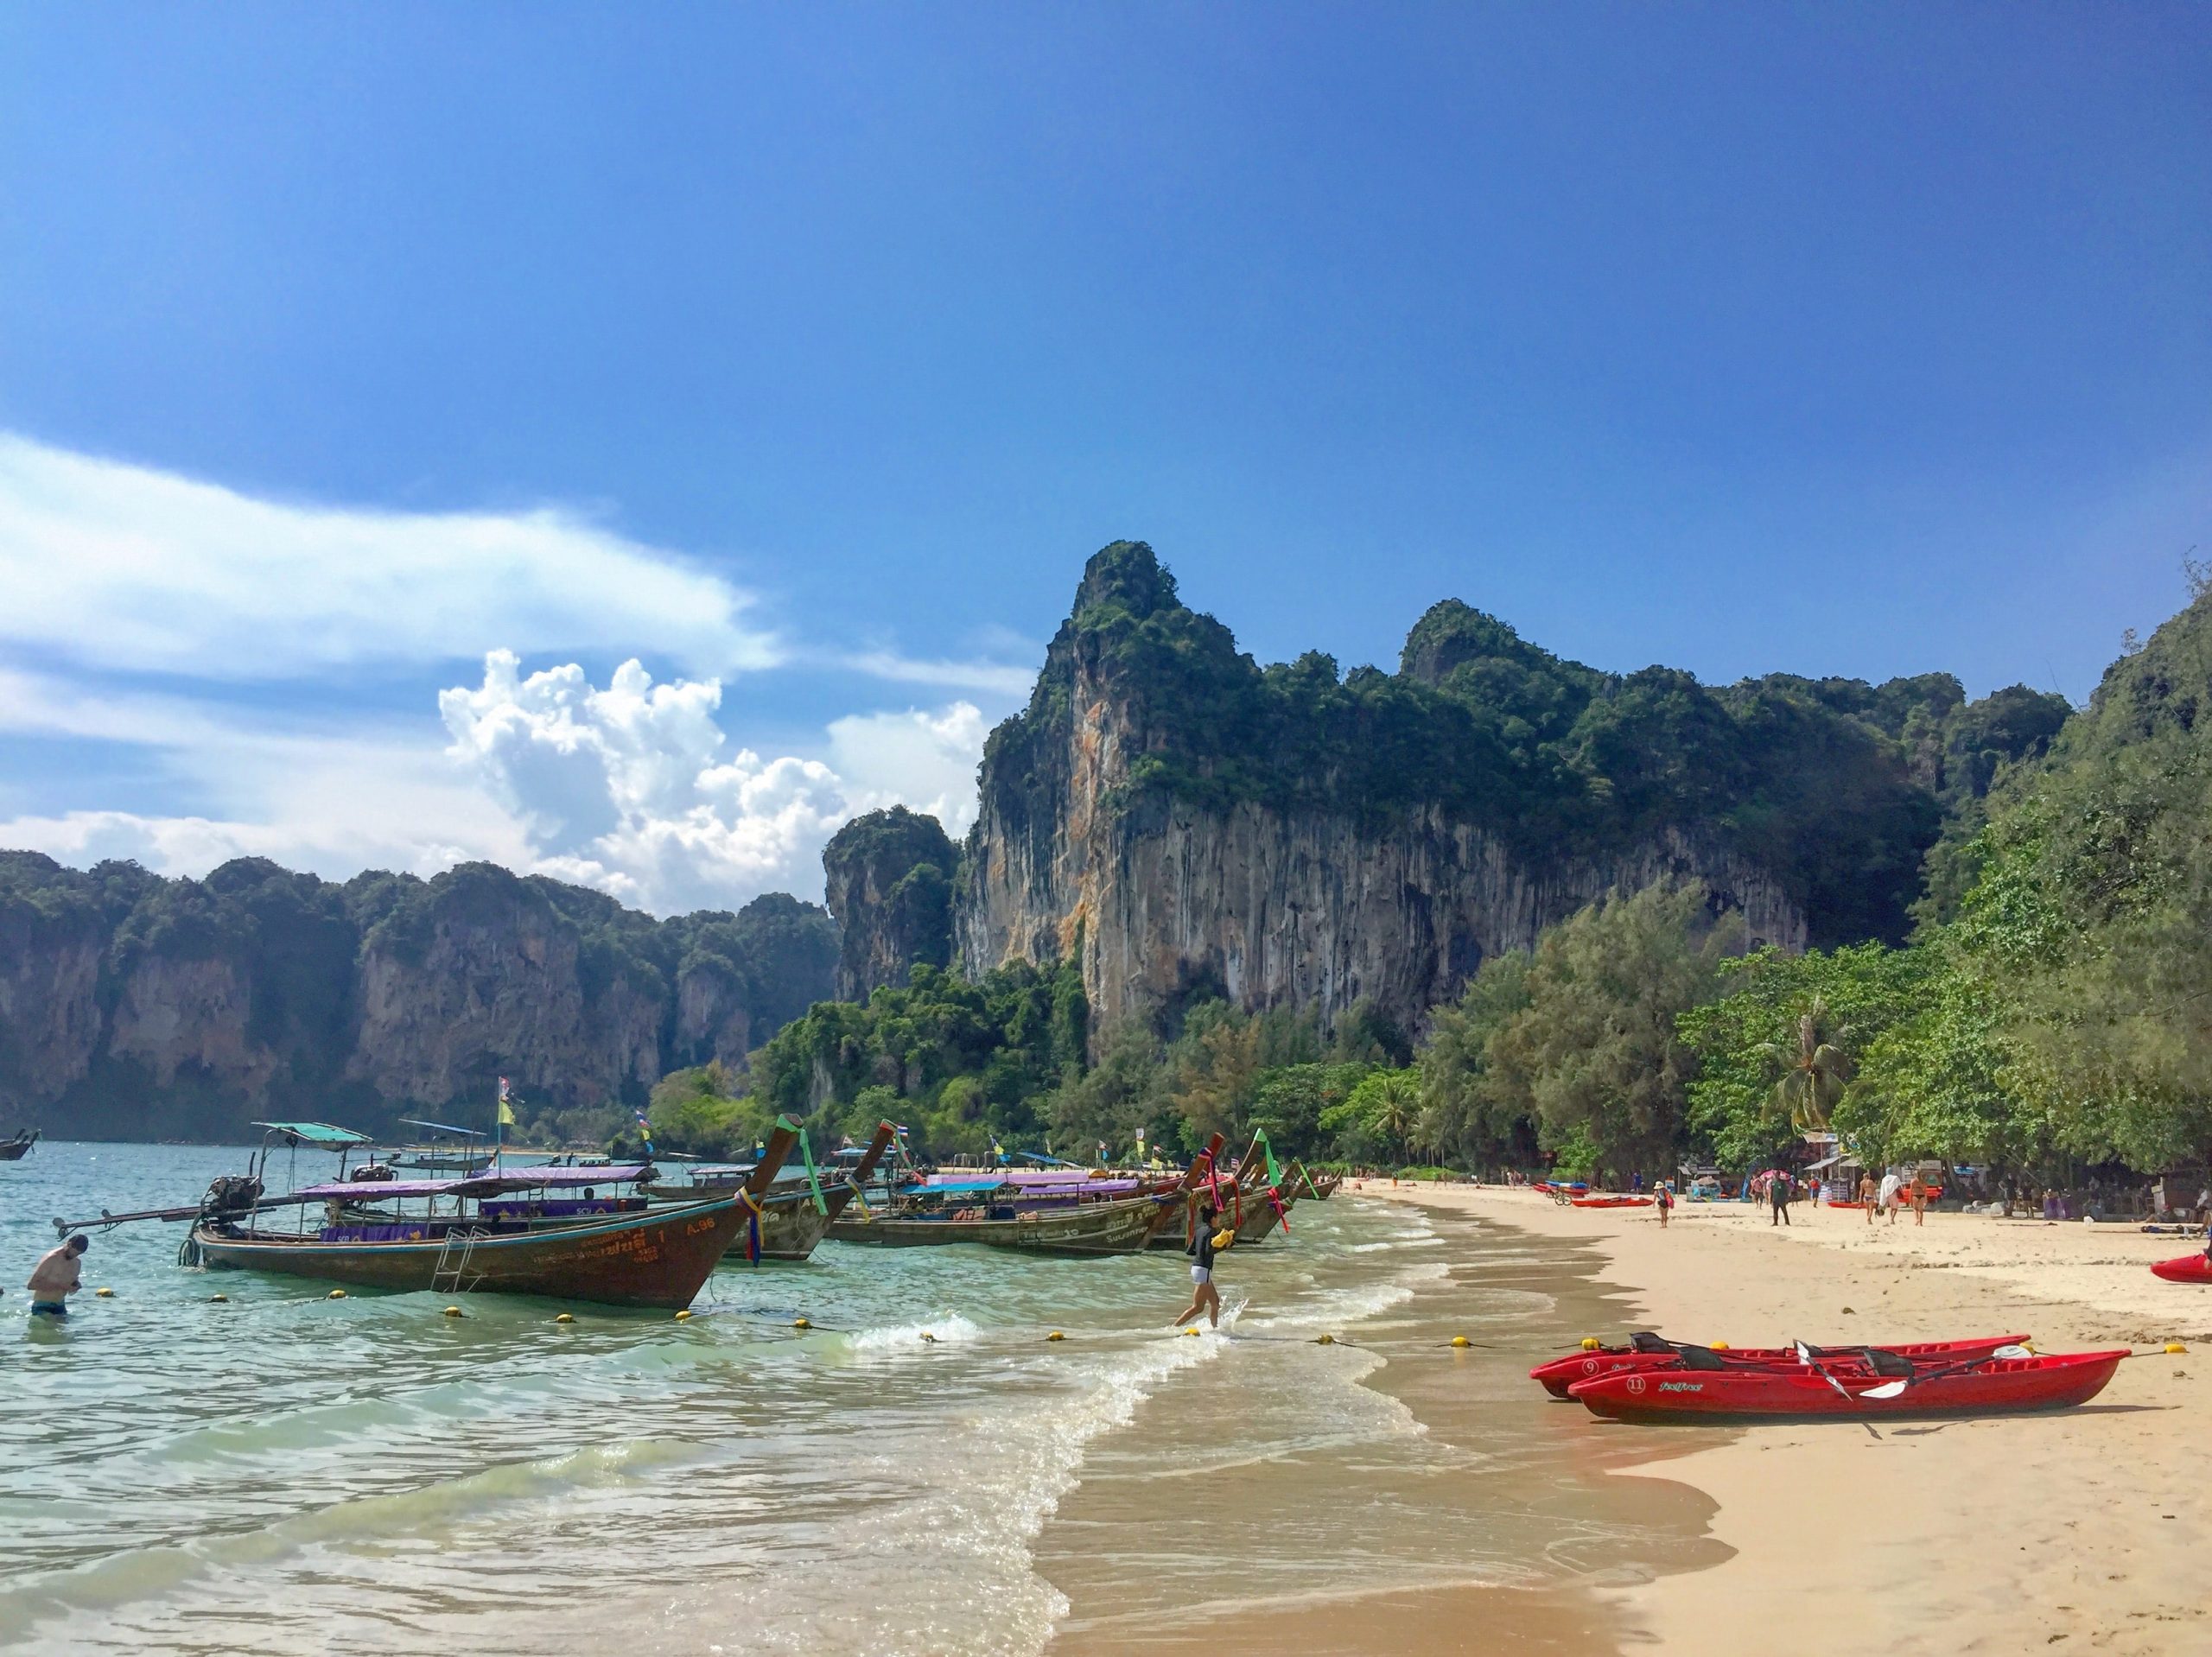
(888, 882)
(132, 1006)
(1187, 824)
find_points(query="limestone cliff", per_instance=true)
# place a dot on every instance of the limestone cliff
(132, 1006)
(889, 883)
(1191, 824)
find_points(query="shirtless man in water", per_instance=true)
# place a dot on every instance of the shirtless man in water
(56, 1278)
(1203, 1293)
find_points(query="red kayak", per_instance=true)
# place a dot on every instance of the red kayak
(1559, 1373)
(2189, 1268)
(1612, 1201)
(2056, 1381)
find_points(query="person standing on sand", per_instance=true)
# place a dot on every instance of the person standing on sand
(56, 1277)
(1866, 1196)
(1203, 1293)
(1919, 1201)
(1777, 1193)
(1891, 1184)
(1666, 1200)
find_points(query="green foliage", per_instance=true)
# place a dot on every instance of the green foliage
(1838, 786)
(1466, 1112)
(704, 1111)
(1595, 1055)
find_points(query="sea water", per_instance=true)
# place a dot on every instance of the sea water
(283, 1472)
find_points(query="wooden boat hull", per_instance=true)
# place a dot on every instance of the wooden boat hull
(15, 1150)
(2056, 1381)
(1560, 1374)
(659, 1258)
(1100, 1228)
(1261, 1220)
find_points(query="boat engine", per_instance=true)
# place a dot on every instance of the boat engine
(230, 1194)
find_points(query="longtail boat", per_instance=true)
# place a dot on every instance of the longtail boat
(507, 1235)
(1647, 1351)
(16, 1149)
(1116, 1226)
(1268, 1195)
(792, 1221)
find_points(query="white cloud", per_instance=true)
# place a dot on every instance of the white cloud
(997, 678)
(118, 566)
(627, 788)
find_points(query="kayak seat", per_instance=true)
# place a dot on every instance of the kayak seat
(1644, 1341)
(1701, 1357)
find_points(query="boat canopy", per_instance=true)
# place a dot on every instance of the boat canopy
(316, 1134)
(371, 1191)
(442, 1127)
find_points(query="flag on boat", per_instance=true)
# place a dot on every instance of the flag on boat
(646, 1131)
(998, 1150)
(506, 1107)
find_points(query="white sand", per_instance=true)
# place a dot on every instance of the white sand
(2086, 1531)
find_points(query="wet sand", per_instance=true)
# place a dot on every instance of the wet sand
(2085, 1531)
(1457, 1511)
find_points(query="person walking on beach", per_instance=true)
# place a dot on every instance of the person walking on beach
(1777, 1193)
(1919, 1201)
(1866, 1197)
(1203, 1293)
(1891, 1184)
(56, 1277)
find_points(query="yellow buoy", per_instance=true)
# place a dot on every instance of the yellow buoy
(1459, 1340)
(1720, 1346)
(1191, 1331)
(685, 1313)
(336, 1294)
(104, 1294)
(2176, 1346)
(1590, 1344)
(219, 1296)
(1056, 1335)
(566, 1318)
(453, 1312)
(801, 1323)
(1325, 1340)
(929, 1337)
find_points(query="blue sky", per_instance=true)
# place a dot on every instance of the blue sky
(802, 354)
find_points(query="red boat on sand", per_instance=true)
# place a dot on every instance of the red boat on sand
(1647, 1352)
(1612, 1202)
(2053, 1381)
(2189, 1268)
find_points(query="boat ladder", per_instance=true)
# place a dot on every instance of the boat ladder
(451, 1274)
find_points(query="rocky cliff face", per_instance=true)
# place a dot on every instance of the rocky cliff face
(1187, 824)
(132, 1006)
(889, 884)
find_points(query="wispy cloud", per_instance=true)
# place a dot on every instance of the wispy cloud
(997, 678)
(117, 566)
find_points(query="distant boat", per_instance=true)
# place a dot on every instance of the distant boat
(1116, 1226)
(16, 1149)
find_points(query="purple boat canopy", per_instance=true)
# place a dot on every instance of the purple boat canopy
(372, 1191)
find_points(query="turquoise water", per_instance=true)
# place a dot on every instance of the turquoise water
(288, 1473)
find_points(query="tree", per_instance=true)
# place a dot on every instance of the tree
(1465, 1115)
(1813, 1073)
(1596, 1051)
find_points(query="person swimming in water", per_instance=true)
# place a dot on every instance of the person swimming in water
(1201, 1251)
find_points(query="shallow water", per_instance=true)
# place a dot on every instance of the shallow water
(287, 1473)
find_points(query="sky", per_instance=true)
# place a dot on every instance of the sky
(626, 442)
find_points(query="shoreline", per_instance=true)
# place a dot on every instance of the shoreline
(2079, 1531)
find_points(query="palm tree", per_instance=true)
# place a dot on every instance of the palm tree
(1399, 1102)
(1813, 1073)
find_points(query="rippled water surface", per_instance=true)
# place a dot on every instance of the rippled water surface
(290, 1473)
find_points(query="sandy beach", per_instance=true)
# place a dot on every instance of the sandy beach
(2085, 1531)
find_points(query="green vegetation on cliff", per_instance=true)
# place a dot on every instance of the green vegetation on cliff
(1838, 787)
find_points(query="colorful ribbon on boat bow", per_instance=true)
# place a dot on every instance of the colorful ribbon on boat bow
(752, 1226)
(1275, 1178)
